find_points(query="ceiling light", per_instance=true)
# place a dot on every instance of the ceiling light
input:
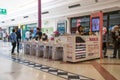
(74, 6)
(26, 16)
(45, 12)
(12, 19)
(3, 22)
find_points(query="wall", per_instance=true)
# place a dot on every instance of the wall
(49, 26)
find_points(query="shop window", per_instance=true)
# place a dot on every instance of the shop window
(83, 21)
(114, 19)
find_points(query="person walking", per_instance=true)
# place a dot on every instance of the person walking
(18, 38)
(4, 36)
(13, 39)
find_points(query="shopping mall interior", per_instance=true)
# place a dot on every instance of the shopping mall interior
(60, 40)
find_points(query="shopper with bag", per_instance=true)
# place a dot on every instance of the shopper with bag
(13, 39)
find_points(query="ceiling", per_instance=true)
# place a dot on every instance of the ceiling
(14, 5)
(17, 9)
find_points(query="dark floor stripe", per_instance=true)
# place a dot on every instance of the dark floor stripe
(54, 71)
(81, 63)
(110, 63)
(103, 71)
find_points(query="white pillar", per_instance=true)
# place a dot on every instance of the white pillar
(68, 26)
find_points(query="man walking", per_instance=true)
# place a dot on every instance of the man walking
(13, 38)
(18, 38)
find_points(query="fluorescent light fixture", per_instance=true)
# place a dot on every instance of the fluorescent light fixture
(3, 22)
(74, 6)
(12, 19)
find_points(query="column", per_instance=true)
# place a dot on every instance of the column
(68, 26)
(39, 14)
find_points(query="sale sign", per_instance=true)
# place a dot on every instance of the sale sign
(93, 47)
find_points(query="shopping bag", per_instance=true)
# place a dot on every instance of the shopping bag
(20, 45)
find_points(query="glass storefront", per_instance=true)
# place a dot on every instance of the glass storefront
(83, 21)
(28, 27)
(109, 20)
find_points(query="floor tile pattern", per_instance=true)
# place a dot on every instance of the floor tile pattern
(51, 70)
(57, 72)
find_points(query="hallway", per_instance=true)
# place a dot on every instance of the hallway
(24, 67)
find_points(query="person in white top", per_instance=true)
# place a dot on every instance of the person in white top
(27, 35)
(4, 36)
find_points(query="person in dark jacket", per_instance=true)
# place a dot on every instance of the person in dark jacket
(38, 34)
(44, 37)
(104, 45)
(104, 41)
(13, 39)
(115, 37)
(119, 41)
(18, 33)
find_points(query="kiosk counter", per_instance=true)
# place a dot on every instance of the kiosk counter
(75, 48)
(80, 48)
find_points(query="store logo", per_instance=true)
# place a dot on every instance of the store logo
(93, 39)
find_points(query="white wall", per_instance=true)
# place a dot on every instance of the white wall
(49, 23)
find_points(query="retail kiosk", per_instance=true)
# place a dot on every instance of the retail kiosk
(80, 48)
(75, 47)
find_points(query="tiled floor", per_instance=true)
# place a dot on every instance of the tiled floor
(21, 68)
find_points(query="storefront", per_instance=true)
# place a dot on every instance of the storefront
(62, 27)
(84, 21)
(109, 20)
(10, 29)
(28, 27)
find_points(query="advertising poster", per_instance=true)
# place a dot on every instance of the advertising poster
(93, 46)
(61, 28)
(95, 24)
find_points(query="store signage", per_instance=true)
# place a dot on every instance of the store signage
(3, 11)
(93, 39)
(93, 46)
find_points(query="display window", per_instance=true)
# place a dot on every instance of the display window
(83, 21)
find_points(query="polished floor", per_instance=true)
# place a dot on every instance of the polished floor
(25, 67)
